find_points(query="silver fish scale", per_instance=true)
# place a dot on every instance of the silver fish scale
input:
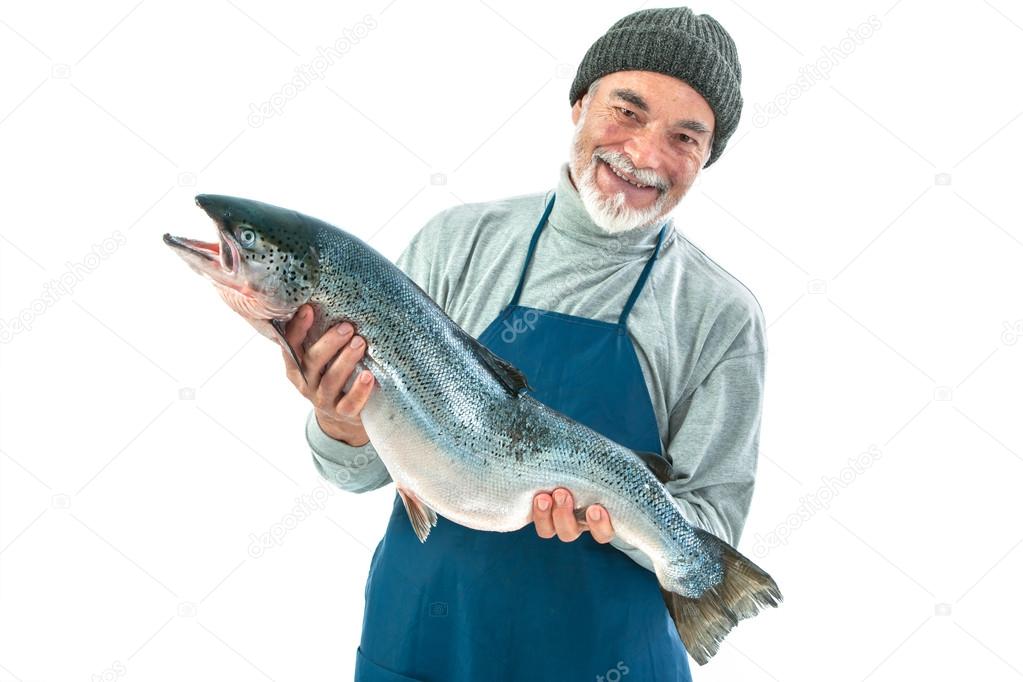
(502, 449)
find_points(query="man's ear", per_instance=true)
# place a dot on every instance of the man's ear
(577, 110)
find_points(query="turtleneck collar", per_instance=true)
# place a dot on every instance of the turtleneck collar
(569, 216)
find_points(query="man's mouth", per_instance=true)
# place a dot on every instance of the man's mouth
(626, 176)
(621, 181)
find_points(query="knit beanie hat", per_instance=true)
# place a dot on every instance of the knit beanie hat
(691, 47)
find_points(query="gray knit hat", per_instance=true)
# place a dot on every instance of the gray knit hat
(691, 47)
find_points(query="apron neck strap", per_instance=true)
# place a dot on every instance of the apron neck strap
(642, 279)
(635, 290)
(532, 248)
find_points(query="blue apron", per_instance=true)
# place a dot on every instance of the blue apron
(474, 606)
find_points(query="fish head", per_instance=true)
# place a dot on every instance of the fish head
(264, 263)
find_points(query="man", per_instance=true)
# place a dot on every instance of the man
(616, 320)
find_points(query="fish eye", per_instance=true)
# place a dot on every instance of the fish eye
(247, 236)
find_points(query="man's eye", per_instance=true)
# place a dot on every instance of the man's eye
(685, 138)
(626, 112)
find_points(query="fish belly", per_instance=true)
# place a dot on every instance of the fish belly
(497, 496)
(449, 481)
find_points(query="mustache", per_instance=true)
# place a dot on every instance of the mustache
(623, 163)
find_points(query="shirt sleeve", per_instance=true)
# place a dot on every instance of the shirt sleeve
(714, 438)
(352, 469)
(360, 469)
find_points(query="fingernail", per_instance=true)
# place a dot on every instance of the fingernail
(344, 329)
(365, 377)
(560, 498)
(543, 503)
(593, 513)
(357, 342)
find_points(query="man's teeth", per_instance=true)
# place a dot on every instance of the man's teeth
(631, 182)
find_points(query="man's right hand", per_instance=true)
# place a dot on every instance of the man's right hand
(337, 413)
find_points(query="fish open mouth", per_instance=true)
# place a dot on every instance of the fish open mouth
(224, 252)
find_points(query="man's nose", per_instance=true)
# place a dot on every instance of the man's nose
(643, 147)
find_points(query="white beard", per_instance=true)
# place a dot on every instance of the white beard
(612, 213)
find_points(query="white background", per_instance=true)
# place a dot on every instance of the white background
(148, 433)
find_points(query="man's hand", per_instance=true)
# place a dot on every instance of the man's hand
(555, 515)
(337, 413)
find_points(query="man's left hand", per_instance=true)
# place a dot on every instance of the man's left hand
(554, 514)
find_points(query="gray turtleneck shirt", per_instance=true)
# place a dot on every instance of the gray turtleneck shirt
(699, 334)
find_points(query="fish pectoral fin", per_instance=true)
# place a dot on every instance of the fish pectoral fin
(657, 464)
(278, 326)
(508, 374)
(422, 517)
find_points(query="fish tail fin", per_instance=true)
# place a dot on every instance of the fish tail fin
(703, 622)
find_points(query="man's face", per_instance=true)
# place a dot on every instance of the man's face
(651, 128)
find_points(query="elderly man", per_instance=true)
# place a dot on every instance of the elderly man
(616, 320)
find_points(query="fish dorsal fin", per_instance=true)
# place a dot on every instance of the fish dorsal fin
(656, 464)
(508, 374)
(422, 517)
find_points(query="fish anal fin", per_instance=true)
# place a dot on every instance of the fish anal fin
(422, 517)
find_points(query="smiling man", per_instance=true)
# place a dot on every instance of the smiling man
(631, 162)
(618, 321)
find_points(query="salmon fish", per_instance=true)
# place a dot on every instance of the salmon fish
(454, 423)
